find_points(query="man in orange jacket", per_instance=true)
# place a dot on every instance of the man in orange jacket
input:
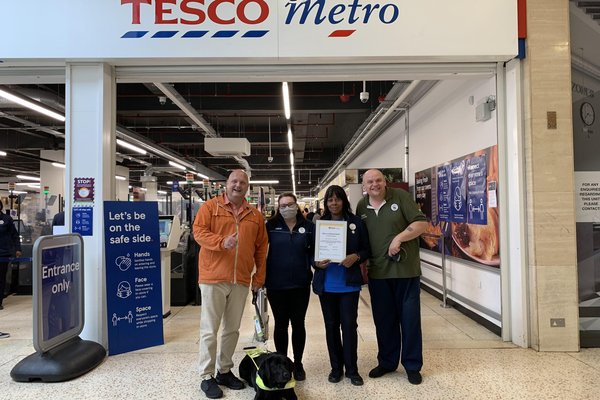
(233, 240)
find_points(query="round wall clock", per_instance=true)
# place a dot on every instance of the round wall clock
(587, 113)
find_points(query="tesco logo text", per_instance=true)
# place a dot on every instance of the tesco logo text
(253, 12)
(197, 12)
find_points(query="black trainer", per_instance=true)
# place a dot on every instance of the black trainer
(334, 376)
(299, 373)
(414, 377)
(229, 380)
(211, 389)
(355, 379)
(379, 371)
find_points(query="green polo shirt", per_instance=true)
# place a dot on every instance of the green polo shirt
(397, 213)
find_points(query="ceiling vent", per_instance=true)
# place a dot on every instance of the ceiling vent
(220, 147)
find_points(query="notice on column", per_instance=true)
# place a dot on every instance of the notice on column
(133, 277)
(587, 191)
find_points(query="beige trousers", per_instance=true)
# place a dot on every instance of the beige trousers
(222, 303)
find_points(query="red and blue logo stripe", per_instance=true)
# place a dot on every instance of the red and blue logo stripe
(194, 34)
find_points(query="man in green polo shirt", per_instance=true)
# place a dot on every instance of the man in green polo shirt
(394, 222)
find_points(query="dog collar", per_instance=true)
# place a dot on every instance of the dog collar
(255, 352)
(289, 385)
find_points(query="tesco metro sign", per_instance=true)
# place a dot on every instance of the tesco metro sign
(269, 31)
(188, 14)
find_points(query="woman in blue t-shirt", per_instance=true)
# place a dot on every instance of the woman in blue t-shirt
(338, 286)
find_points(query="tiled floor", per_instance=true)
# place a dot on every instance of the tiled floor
(462, 361)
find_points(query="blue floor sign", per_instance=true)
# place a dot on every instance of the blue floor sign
(133, 291)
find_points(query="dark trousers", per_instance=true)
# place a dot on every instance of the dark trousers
(3, 271)
(397, 315)
(341, 310)
(289, 305)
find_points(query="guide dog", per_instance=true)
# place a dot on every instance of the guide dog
(270, 374)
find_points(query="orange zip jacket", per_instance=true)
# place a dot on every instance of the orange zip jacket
(214, 222)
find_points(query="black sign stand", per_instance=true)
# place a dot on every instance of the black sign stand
(61, 363)
(65, 356)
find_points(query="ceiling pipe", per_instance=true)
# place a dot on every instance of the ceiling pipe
(275, 95)
(32, 125)
(191, 112)
(153, 148)
(352, 150)
(45, 97)
(131, 158)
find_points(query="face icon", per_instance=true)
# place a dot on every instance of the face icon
(237, 186)
(84, 192)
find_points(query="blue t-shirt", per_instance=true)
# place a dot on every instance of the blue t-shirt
(335, 279)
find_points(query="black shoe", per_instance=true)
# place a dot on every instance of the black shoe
(334, 376)
(229, 380)
(1, 307)
(355, 379)
(414, 377)
(299, 373)
(379, 371)
(211, 389)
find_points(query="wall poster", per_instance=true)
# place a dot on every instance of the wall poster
(460, 200)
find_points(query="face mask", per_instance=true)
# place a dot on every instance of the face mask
(289, 213)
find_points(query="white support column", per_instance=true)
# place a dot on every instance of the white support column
(515, 311)
(90, 153)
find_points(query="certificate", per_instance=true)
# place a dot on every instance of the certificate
(331, 240)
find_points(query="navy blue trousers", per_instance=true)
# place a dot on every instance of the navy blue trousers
(341, 310)
(396, 309)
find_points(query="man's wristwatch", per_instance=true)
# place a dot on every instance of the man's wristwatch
(358, 257)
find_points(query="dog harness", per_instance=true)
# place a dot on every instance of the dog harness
(255, 352)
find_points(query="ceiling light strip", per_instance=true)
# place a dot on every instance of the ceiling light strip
(130, 146)
(31, 105)
(290, 139)
(29, 178)
(133, 137)
(164, 153)
(179, 166)
(286, 100)
(264, 182)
